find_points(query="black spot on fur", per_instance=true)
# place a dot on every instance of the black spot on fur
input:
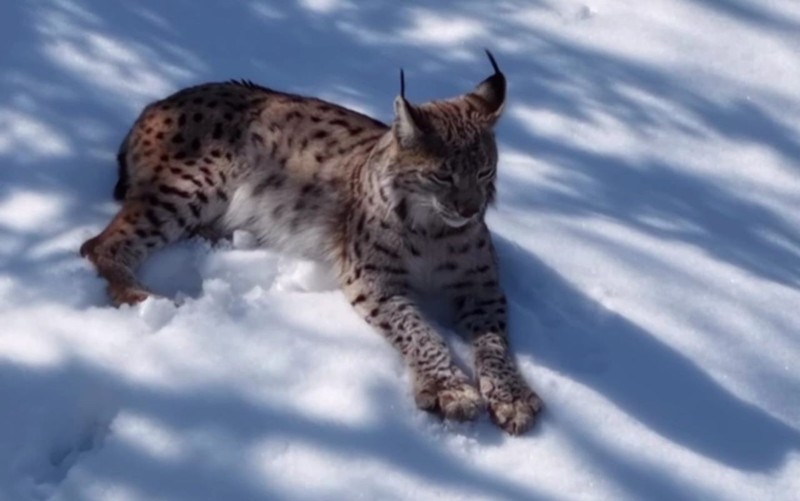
(169, 190)
(271, 181)
(401, 210)
(167, 206)
(448, 266)
(462, 284)
(191, 179)
(150, 215)
(385, 250)
(360, 224)
(392, 270)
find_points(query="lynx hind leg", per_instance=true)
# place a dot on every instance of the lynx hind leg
(137, 229)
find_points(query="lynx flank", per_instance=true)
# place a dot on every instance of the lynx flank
(395, 210)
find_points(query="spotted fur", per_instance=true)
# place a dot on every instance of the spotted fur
(396, 210)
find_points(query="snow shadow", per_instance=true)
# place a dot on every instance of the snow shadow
(80, 71)
(657, 199)
(562, 328)
(216, 430)
(764, 17)
(653, 194)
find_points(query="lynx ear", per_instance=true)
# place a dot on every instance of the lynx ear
(492, 92)
(406, 121)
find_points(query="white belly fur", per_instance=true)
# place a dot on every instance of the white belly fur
(306, 234)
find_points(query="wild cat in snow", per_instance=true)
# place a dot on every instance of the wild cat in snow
(394, 210)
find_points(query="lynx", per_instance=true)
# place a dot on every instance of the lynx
(396, 211)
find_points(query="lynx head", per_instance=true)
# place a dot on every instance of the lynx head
(443, 158)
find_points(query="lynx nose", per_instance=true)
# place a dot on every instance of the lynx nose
(469, 209)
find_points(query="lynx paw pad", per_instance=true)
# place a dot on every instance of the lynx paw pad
(517, 416)
(512, 405)
(127, 295)
(459, 401)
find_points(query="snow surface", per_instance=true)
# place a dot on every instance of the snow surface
(648, 231)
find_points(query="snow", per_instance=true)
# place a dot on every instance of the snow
(648, 232)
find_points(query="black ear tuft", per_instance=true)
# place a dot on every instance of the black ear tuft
(408, 123)
(492, 91)
(491, 60)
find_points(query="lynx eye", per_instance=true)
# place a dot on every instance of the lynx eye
(442, 178)
(485, 174)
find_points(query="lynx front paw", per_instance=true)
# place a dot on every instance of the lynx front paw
(127, 295)
(457, 400)
(512, 405)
